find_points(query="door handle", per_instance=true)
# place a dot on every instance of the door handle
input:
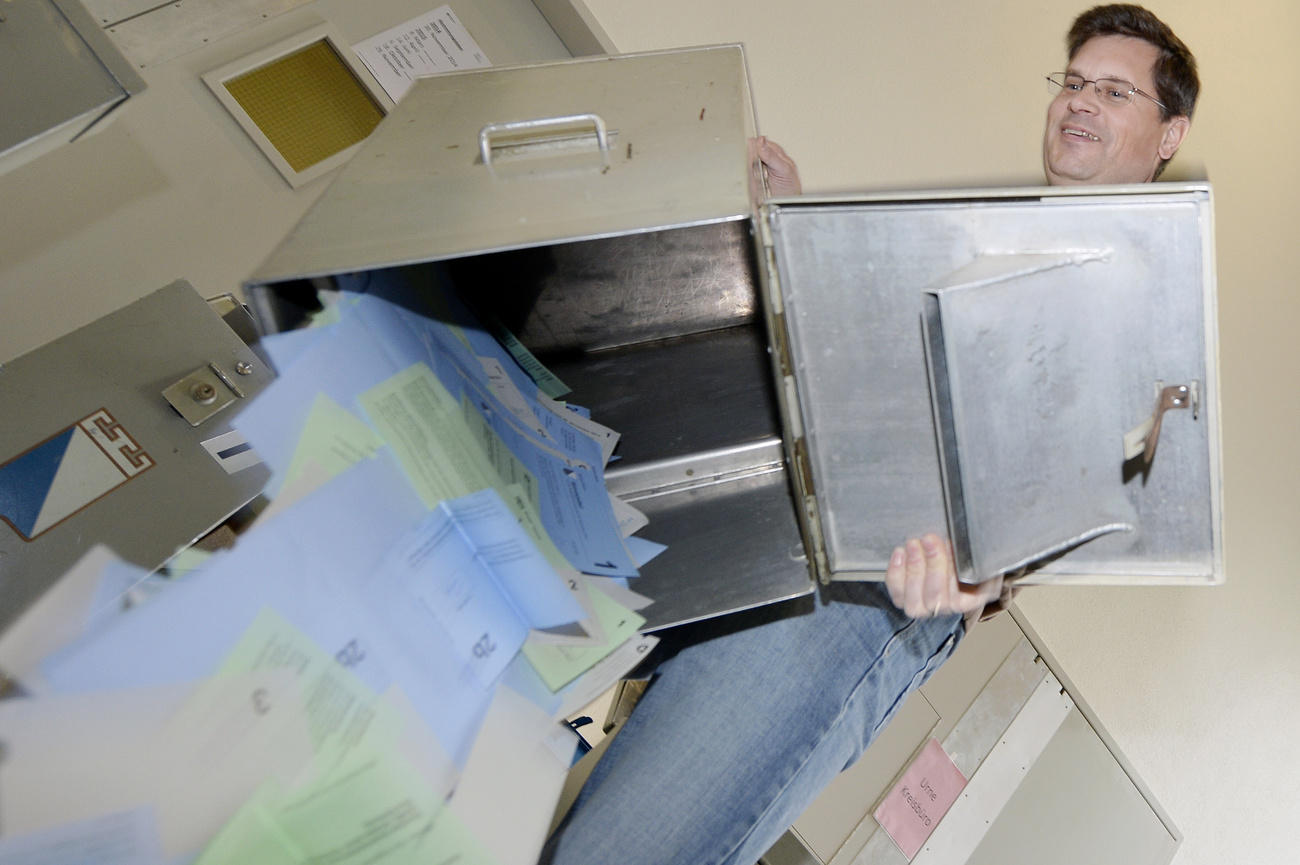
(1143, 438)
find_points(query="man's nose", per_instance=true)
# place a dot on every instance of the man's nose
(1085, 100)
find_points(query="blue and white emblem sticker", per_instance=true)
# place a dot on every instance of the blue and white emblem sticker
(76, 466)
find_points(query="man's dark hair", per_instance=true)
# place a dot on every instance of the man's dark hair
(1175, 71)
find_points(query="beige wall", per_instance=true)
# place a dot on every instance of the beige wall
(1200, 687)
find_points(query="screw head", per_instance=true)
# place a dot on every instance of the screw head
(244, 368)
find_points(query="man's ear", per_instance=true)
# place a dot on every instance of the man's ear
(1175, 132)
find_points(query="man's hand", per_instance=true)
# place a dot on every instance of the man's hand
(922, 581)
(782, 173)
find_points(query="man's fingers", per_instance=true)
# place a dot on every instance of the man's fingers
(922, 580)
(914, 570)
(896, 577)
(782, 173)
(978, 596)
(938, 574)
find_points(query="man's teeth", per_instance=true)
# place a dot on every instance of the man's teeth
(1082, 134)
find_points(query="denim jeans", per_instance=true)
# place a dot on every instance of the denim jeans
(745, 723)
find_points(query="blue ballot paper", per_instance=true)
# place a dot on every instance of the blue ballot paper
(513, 561)
(456, 329)
(376, 341)
(472, 350)
(453, 334)
(319, 565)
(470, 565)
(285, 348)
(340, 362)
(567, 464)
(127, 838)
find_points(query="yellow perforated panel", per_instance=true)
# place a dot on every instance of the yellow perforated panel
(308, 103)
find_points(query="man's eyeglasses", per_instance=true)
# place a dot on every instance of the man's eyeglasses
(1111, 91)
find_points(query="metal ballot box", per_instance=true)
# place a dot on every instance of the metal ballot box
(603, 210)
(118, 434)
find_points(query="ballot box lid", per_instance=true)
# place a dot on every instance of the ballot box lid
(498, 159)
(986, 364)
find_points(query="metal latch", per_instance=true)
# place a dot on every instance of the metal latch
(1142, 439)
(206, 391)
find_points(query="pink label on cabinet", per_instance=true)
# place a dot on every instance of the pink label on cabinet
(921, 797)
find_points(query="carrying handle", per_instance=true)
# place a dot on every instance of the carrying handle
(540, 124)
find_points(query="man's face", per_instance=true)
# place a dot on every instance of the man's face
(1087, 141)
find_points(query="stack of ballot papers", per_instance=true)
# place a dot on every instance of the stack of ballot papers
(379, 669)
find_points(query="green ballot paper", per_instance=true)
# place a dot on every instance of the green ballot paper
(372, 809)
(558, 665)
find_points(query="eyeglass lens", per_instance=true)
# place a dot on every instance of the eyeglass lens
(1112, 90)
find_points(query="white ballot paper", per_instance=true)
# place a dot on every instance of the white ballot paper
(78, 757)
(80, 598)
(432, 43)
(513, 778)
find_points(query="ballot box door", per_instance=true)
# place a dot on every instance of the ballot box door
(119, 434)
(1032, 372)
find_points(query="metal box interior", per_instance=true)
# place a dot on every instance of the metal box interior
(621, 254)
(657, 334)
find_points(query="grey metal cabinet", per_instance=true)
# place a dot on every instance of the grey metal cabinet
(61, 76)
(1045, 783)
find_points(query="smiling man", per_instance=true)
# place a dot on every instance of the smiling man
(751, 716)
(1124, 103)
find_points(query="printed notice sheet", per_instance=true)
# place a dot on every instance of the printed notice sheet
(432, 43)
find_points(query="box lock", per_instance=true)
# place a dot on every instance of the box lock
(206, 391)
